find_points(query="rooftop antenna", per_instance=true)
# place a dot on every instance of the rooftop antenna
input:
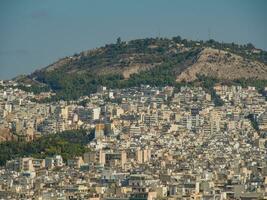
(209, 32)
(158, 32)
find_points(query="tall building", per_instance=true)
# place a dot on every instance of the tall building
(143, 155)
(214, 121)
(99, 131)
(96, 113)
(102, 157)
(115, 158)
(26, 164)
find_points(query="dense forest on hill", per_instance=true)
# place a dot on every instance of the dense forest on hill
(68, 144)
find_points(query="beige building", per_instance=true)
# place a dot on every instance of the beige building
(143, 155)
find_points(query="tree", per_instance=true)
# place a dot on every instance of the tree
(177, 39)
(119, 40)
(250, 46)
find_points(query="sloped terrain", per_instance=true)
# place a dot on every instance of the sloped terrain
(223, 65)
(154, 61)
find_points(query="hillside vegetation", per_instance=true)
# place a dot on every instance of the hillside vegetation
(154, 61)
(68, 144)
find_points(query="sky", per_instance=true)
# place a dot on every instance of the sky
(36, 33)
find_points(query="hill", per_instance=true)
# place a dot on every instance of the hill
(154, 61)
(223, 65)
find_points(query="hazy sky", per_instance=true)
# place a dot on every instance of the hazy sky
(35, 33)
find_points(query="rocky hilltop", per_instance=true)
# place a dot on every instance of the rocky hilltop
(223, 65)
